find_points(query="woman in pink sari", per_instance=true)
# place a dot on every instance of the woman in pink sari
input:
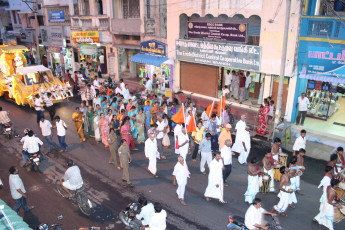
(126, 132)
(262, 124)
(104, 129)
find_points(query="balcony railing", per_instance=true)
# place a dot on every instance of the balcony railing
(99, 22)
(126, 26)
(323, 27)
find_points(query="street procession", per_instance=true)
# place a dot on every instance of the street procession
(172, 114)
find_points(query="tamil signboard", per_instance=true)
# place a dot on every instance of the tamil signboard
(229, 32)
(153, 47)
(85, 36)
(52, 35)
(219, 54)
(57, 16)
(88, 49)
(326, 61)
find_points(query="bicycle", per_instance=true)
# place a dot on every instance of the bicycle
(79, 197)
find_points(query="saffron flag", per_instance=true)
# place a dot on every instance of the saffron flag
(209, 109)
(33, 90)
(178, 118)
(221, 106)
(192, 125)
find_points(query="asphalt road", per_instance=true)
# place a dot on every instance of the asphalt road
(105, 188)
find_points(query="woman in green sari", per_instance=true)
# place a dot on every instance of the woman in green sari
(141, 126)
(89, 118)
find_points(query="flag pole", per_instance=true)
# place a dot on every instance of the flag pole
(184, 119)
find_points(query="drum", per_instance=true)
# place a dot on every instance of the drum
(283, 159)
(341, 191)
(339, 214)
(276, 173)
(265, 183)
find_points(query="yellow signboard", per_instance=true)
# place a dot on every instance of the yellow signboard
(85, 36)
(168, 92)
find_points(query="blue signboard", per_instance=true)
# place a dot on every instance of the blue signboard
(153, 47)
(326, 61)
(57, 16)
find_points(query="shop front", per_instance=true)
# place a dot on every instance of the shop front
(323, 81)
(90, 51)
(152, 60)
(204, 65)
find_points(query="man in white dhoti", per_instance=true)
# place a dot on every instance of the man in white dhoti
(326, 215)
(325, 182)
(285, 192)
(245, 148)
(181, 174)
(177, 132)
(268, 168)
(239, 128)
(215, 187)
(205, 149)
(300, 166)
(253, 180)
(183, 142)
(151, 153)
(254, 215)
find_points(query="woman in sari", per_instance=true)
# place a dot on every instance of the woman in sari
(77, 117)
(89, 119)
(132, 115)
(96, 127)
(98, 110)
(129, 105)
(173, 111)
(147, 110)
(83, 109)
(141, 126)
(126, 131)
(104, 129)
(262, 124)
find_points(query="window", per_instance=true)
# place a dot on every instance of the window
(148, 9)
(100, 7)
(14, 16)
(320, 28)
(75, 6)
(86, 7)
(131, 9)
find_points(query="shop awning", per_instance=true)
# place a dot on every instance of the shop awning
(149, 59)
(319, 77)
(32, 69)
(15, 221)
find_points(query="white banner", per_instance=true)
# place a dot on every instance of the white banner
(52, 35)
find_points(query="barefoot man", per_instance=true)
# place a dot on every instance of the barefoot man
(285, 192)
(268, 168)
(300, 166)
(181, 174)
(253, 180)
(215, 187)
(151, 153)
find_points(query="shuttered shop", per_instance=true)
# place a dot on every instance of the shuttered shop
(197, 78)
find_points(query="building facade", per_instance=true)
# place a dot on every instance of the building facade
(208, 38)
(321, 71)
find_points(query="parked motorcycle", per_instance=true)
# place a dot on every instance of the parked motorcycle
(7, 130)
(34, 161)
(128, 214)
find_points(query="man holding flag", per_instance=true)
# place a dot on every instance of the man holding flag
(179, 119)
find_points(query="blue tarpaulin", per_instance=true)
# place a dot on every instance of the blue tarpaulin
(148, 59)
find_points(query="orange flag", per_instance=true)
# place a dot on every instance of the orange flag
(33, 90)
(221, 106)
(191, 125)
(178, 118)
(209, 109)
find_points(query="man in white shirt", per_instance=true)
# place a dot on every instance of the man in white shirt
(61, 128)
(38, 107)
(215, 187)
(126, 93)
(248, 81)
(245, 146)
(159, 218)
(226, 154)
(254, 215)
(18, 191)
(96, 85)
(72, 179)
(32, 144)
(146, 212)
(303, 103)
(181, 173)
(177, 131)
(118, 90)
(204, 117)
(183, 142)
(151, 153)
(122, 85)
(239, 129)
(228, 79)
(46, 132)
(97, 101)
(300, 142)
(148, 85)
(160, 134)
(50, 106)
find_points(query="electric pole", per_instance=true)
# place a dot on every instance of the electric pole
(38, 57)
(283, 61)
